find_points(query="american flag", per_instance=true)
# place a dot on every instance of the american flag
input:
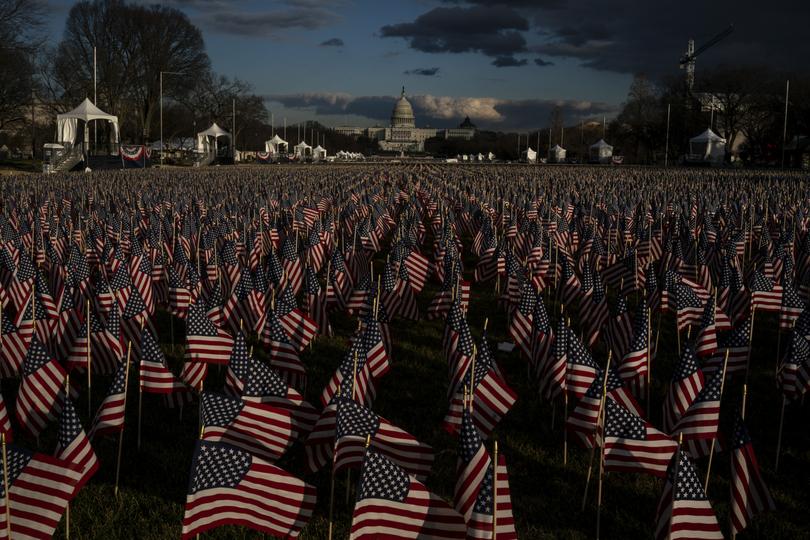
(41, 488)
(73, 445)
(749, 494)
(688, 306)
(283, 355)
(110, 415)
(620, 329)
(5, 421)
(300, 328)
(41, 389)
(706, 342)
(354, 424)
(353, 377)
(390, 500)
(291, 263)
(684, 511)
(792, 307)
(457, 344)
(13, 351)
(632, 444)
(473, 464)
(520, 328)
(154, 374)
(204, 341)
(633, 367)
(765, 294)
(494, 494)
(581, 370)
(793, 376)
(686, 384)
(702, 418)
(738, 345)
(228, 486)
(262, 430)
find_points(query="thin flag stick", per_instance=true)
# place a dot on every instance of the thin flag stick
(779, 437)
(714, 439)
(89, 367)
(6, 487)
(121, 433)
(599, 435)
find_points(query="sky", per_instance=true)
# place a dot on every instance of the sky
(505, 64)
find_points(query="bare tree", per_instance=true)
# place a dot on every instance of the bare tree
(21, 23)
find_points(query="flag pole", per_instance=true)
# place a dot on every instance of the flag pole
(495, 491)
(714, 439)
(600, 427)
(6, 487)
(89, 380)
(779, 437)
(121, 433)
(750, 340)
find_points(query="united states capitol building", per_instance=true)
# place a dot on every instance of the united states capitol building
(403, 135)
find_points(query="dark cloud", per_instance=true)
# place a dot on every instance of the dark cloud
(491, 31)
(334, 42)
(444, 111)
(623, 36)
(542, 63)
(427, 72)
(509, 61)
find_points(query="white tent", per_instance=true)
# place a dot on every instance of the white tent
(479, 157)
(707, 147)
(204, 145)
(67, 124)
(274, 146)
(556, 154)
(601, 152)
(529, 155)
(302, 150)
(319, 153)
(490, 156)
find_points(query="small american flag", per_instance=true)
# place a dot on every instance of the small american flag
(684, 511)
(41, 488)
(749, 494)
(73, 445)
(262, 430)
(41, 390)
(632, 444)
(494, 494)
(387, 496)
(701, 420)
(228, 486)
(473, 464)
(154, 374)
(110, 415)
(686, 384)
(204, 341)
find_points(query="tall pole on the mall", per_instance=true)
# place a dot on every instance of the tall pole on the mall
(95, 96)
(784, 127)
(666, 148)
(233, 143)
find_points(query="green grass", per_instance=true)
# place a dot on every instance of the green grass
(546, 493)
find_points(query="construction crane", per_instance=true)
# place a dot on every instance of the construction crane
(688, 59)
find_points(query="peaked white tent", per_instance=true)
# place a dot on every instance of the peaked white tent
(707, 147)
(207, 140)
(601, 151)
(319, 153)
(67, 124)
(274, 146)
(302, 150)
(490, 156)
(556, 154)
(529, 155)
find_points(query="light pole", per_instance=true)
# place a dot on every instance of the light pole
(161, 110)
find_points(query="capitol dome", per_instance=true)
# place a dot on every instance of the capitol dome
(402, 115)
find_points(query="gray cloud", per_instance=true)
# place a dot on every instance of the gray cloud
(443, 111)
(509, 61)
(491, 31)
(334, 42)
(427, 72)
(542, 63)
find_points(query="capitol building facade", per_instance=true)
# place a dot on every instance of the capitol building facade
(402, 135)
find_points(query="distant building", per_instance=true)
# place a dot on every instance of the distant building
(402, 135)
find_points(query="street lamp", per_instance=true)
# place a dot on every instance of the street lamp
(161, 110)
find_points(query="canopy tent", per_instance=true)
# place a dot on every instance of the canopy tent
(275, 145)
(490, 156)
(302, 150)
(529, 155)
(319, 153)
(601, 152)
(556, 154)
(67, 124)
(204, 145)
(707, 147)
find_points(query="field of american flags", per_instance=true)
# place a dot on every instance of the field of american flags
(546, 492)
